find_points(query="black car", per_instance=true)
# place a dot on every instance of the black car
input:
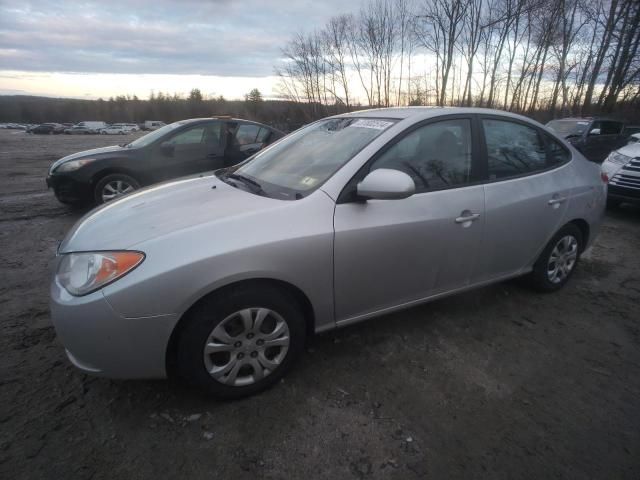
(176, 150)
(48, 129)
(595, 138)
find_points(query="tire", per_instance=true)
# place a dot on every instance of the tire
(541, 277)
(217, 313)
(113, 179)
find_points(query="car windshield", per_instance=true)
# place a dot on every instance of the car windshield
(568, 127)
(153, 136)
(297, 165)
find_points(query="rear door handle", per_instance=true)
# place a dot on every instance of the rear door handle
(557, 200)
(470, 217)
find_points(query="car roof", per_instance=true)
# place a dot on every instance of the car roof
(572, 119)
(225, 118)
(588, 119)
(422, 113)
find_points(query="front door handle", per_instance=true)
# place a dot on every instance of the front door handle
(467, 216)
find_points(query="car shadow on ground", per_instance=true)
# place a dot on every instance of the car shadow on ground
(626, 211)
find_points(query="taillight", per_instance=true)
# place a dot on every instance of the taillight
(604, 177)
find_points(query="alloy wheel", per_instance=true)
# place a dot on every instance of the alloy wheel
(115, 189)
(562, 259)
(246, 346)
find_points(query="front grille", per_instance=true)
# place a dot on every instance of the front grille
(633, 165)
(626, 180)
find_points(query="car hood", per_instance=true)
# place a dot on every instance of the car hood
(96, 152)
(162, 209)
(632, 150)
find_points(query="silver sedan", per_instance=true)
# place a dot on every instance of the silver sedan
(220, 279)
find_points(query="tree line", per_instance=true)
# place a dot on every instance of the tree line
(538, 57)
(166, 107)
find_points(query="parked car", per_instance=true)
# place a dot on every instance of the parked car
(182, 148)
(13, 126)
(220, 279)
(635, 138)
(79, 130)
(622, 169)
(152, 125)
(48, 129)
(630, 130)
(594, 138)
(116, 129)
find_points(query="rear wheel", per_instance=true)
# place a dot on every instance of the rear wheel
(239, 343)
(114, 186)
(558, 260)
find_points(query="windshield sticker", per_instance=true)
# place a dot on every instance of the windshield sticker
(375, 124)
(308, 181)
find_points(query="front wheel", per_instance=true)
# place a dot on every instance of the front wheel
(239, 343)
(114, 186)
(558, 260)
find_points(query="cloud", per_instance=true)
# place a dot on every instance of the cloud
(219, 37)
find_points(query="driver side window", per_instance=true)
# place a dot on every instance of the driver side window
(188, 137)
(436, 156)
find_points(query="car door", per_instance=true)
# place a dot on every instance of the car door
(603, 137)
(614, 137)
(194, 149)
(393, 252)
(241, 142)
(526, 195)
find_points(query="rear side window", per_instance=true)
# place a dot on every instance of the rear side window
(557, 154)
(246, 134)
(611, 128)
(513, 149)
(263, 135)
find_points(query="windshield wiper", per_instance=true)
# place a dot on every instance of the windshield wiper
(255, 186)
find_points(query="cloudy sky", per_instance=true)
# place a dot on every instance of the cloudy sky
(111, 47)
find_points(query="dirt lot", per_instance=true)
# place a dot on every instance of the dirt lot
(497, 383)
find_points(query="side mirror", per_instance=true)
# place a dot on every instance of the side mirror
(386, 184)
(167, 148)
(594, 131)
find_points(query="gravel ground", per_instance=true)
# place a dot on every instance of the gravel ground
(496, 383)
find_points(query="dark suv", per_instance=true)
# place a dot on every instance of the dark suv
(176, 150)
(595, 138)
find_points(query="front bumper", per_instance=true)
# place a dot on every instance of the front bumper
(101, 342)
(625, 194)
(67, 189)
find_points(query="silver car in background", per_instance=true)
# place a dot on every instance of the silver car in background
(221, 279)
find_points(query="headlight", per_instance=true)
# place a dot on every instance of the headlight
(73, 165)
(618, 158)
(86, 272)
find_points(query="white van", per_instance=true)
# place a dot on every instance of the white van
(153, 124)
(93, 126)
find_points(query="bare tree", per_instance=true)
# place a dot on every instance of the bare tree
(439, 31)
(335, 37)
